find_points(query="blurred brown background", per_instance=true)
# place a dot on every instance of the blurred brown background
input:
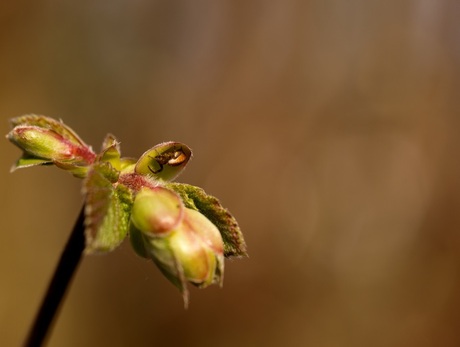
(329, 128)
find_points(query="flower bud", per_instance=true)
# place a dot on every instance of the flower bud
(47, 141)
(156, 211)
(42, 143)
(198, 246)
(185, 245)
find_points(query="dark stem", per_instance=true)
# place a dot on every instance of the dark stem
(62, 277)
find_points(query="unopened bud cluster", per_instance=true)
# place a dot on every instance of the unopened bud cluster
(173, 224)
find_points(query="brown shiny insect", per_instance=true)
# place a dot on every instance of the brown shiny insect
(172, 158)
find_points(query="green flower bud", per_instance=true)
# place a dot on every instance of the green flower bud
(156, 211)
(192, 252)
(46, 141)
(42, 143)
(49, 123)
(198, 246)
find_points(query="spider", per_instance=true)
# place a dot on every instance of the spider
(173, 158)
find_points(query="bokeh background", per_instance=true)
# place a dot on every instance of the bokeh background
(329, 128)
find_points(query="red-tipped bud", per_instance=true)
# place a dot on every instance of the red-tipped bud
(46, 141)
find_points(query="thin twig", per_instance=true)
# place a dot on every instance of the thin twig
(62, 277)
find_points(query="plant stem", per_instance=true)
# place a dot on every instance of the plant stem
(62, 277)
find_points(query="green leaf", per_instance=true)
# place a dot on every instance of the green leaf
(197, 199)
(111, 151)
(107, 209)
(164, 161)
(28, 161)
